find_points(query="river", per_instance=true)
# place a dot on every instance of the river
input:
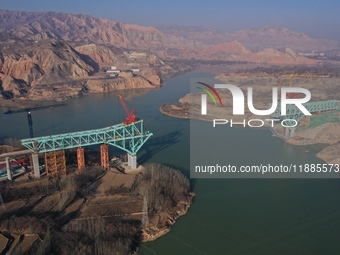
(228, 216)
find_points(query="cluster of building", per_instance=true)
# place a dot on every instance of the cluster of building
(114, 72)
(326, 54)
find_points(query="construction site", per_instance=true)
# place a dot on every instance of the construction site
(129, 136)
(323, 105)
(58, 186)
(324, 113)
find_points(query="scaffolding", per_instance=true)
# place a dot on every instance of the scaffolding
(55, 163)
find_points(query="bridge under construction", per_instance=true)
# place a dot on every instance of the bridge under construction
(128, 136)
(294, 113)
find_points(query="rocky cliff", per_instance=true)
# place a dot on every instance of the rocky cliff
(24, 65)
(54, 70)
(102, 55)
(119, 83)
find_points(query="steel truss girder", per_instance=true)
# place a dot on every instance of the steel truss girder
(295, 113)
(129, 138)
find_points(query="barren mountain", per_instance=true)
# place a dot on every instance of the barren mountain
(278, 37)
(84, 28)
(102, 55)
(234, 51)
(150, 66)
(23, 65)
(198, 33)
(183, 41)
(57, 51)
(54, 70)
(256, 40)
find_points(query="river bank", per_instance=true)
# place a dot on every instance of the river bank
(161, 223)
(327, 133)
(325, 128)
(61, 92)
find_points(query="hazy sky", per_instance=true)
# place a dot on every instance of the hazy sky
(316, 18)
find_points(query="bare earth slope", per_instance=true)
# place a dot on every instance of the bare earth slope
(235, 51)
(25, 65)
(257, 39)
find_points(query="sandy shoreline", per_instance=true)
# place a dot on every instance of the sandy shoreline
(328, 133)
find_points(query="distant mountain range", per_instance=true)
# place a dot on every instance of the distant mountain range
(235, 51)
(19, 25)
(256, 40)
(40, 48)
(16, 25)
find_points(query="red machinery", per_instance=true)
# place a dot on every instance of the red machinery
(131, 118)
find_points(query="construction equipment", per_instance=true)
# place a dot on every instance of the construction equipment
(297, 95)
(302, 75)
(29, 116)
(131, 116)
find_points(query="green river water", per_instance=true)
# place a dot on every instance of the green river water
(228, 216)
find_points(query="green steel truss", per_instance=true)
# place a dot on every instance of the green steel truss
(294, 113)
(129, 138)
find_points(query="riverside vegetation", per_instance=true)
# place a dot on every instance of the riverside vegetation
(67, 218)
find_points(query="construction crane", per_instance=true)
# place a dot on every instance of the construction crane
(297, 95)
(29, 115)
(131, 116)
(302, 75)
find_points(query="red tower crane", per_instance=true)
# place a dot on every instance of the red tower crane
(131, 116)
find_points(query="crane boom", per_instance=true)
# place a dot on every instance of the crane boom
(123, 103)
(303, 75)
(131, 116)
(290, 75)
(29, 116)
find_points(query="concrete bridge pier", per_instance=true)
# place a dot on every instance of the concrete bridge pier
(36, 169)
(8, 167)
(290, 132)
(132, 161)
